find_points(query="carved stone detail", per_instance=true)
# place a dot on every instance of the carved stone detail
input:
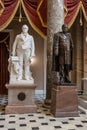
(21, 96)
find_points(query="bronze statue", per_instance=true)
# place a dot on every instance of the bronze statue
(63, 54)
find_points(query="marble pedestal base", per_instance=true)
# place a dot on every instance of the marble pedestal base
(64, 101)
(21, 98)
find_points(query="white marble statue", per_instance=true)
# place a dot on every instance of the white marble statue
(24, 49)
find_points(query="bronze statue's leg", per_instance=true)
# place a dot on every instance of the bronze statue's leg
(66, 74)
(61, 73)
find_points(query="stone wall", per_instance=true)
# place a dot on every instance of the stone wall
(77, 36)
(85, 51)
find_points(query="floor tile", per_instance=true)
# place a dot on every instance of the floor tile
(42, 120)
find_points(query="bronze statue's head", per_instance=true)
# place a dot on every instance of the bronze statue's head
(64, 28)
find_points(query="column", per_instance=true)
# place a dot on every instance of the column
(85, 61)
(55, 19)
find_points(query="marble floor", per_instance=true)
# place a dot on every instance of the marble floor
(42, 120)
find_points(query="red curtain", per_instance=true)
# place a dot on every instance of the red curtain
(72, 11)
(42, 12)
(33, 10)
(9, 10)
(84, 3)
(36, 12)
(73, 8)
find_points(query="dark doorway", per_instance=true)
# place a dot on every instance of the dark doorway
(4, 55)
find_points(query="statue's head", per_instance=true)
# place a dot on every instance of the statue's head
(25, 28)
(64, 28)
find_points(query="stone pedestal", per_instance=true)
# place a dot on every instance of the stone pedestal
(21, 98)
(64, 101)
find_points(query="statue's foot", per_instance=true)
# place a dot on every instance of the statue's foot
(19, 78)
(26, 78)
(67, 80)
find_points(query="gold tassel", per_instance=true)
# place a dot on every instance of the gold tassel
(20, 16)
(81, 23)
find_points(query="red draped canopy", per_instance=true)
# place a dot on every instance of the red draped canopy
(36, 12)
(73, 8)
(33, 10)
(8, 9)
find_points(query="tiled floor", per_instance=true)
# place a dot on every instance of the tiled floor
(42, 120)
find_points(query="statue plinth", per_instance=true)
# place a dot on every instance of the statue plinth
(64, 101)
(21, 98)
(18, 82)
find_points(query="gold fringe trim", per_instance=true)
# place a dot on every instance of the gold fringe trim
(81, 23)
(84, 13)
(40, 17)
(65, 11)
(4, 41)
(31, 23)
(2, 9)
(11, 17)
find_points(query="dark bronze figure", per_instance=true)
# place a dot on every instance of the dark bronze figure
(63, 54)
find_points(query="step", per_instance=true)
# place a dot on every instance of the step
(82, 102)
(81, 109)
